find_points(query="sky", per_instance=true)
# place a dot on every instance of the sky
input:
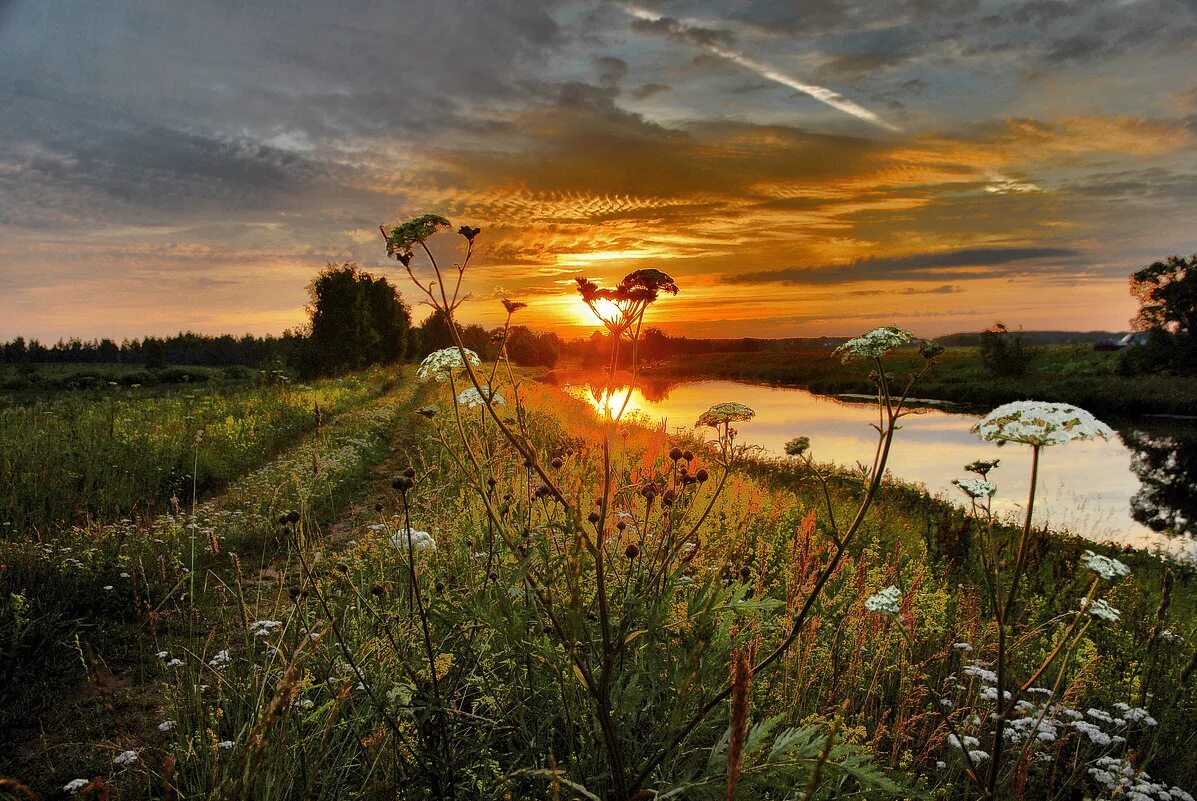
(799, 168)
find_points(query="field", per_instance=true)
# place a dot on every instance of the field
(1066, 373)
(400, 600)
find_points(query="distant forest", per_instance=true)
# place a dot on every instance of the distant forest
(525, 346)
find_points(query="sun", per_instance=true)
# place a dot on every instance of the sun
(606, 308)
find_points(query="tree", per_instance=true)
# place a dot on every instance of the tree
(1167, 294)
(356, 320)
(1003, 353)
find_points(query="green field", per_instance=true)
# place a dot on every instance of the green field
(1074, 374)
(238, 656)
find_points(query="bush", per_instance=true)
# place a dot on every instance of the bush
(1164, 352)
(1005, 354)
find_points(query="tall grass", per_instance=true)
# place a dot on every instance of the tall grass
(78, 459)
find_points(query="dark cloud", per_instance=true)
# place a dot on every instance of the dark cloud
(645, 91)
(957, 265)
(684, 33)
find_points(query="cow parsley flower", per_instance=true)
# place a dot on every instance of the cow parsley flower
(420, 540)
(874, 344)
(1104, 566)
(1041, 424)
(125, 758)
(1099, 608)
(440, 363)
(976, 488)
(885, 602)
(797, 446)
(720, 413)
(473, 399)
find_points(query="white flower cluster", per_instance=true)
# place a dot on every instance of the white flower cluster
(885, 602)
(984, 674)
(1039, 423)
(221, 658)
(1093, 732)
(720, 413)
(473, 399)
(1104, 566)
(264, 628)
(1134, 714)
(440, 363)
(874, 344)
(75, 785)
(1121, 778)
(976, 488)
(420, 540)
(1099, 608)
(125, 758)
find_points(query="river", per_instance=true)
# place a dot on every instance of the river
(1127, 491)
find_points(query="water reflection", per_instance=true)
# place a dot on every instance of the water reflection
(1123, 491)
(1166, 465)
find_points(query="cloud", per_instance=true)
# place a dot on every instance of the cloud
(960, 264)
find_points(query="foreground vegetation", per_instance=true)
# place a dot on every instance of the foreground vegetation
(467, 586)
(1074, 374)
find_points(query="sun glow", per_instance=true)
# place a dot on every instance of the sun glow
(610, 403)
(606, 308)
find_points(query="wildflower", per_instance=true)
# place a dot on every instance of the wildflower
(1104, 566)
(108, 588)
(885, 601)
(125, 758)
(1040, 424)
(973, 669)
(263, 628)
(1099, 608)
(721, 413)
(166, 725)
(162, 654)
(962, 646)
(472, 398)
(977, 755)
(1134, 714)
(512, 306)
(440, 363)
(969, 741)
(982, 466)
(402, 237)
(976, 488)
(874, 344)
(75, 785)
(420, 540)
(797, 446)
(175, 663)
(225, 745)
(221, 658)
(1094, 733)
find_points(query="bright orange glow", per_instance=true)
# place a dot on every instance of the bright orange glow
(610, 404)
(607, 309)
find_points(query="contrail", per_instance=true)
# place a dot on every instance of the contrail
(820, 93)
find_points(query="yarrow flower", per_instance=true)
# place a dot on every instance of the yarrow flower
(221, 658)
(263, 628)
(166, 725)
(473, 399)
(420, 540)
(125, 758)
(1099, 608)
(1040, 424)
(440, 363)
(797, 446)
(720, 413)
(885, 602)
(1104, 566)
(75, 785)
(976, 488)
(874, 344)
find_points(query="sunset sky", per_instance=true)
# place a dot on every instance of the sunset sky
(800, 168)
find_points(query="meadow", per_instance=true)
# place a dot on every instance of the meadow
(465, 584)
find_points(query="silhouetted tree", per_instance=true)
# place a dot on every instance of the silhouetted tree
(1167, 294)
(356, 320)
(1004, 353)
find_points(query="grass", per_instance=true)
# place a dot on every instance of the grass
(347, 696)
(78, 458)
(1061, 373)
